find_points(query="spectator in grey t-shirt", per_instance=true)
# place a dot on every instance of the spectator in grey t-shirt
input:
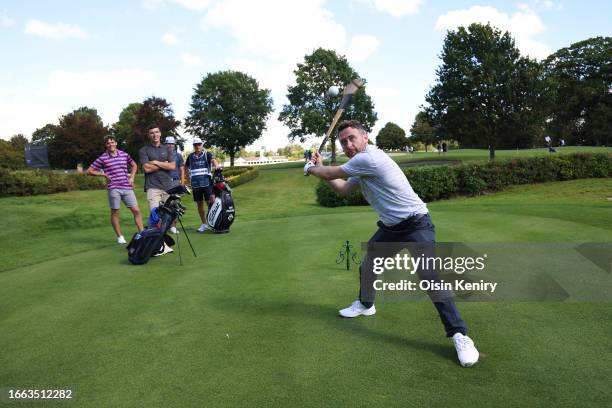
(403, 218)
(157, 160)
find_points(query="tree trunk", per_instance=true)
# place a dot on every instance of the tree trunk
(491, 152)
(232, 159)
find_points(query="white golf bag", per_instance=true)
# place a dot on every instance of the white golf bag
(221, 213)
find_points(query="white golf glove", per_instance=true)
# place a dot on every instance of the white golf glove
(307, 166)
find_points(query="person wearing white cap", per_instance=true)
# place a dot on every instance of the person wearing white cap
(199, 170)
(178, 174)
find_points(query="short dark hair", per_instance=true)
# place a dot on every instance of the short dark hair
(152, 126)
(355, 124)
(109, 137)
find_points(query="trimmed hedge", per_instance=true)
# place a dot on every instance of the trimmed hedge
(236, 176)
(35, 182)
(435, 182)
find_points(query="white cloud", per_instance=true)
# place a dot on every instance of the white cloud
(21, 116)
(73, 84)
(271, 37)
(191, 59)
(5, 21)
(396, 8)
(196, 5)
(151, 5)
(169, 38)
(523, 25)
(57, 31)
(277, 30)
(548, 5)
(362, 46)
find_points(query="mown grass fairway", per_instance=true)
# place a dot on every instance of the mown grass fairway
(467, 155)
(253, 320)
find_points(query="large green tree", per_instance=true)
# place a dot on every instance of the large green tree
(12, 152)
(422, 131)
(19, 142)
(124, 128)
(152, 111)
(391, 137)
(311, 108)
(292, 151)
(486, 94)
(582, 75)
(44, 135)
(79, 138)
(229, 110)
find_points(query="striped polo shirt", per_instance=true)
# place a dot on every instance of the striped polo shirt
(116, 167)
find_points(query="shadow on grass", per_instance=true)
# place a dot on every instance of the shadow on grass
(328, 314)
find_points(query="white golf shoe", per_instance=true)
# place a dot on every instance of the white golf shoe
(173, 230)
(203, 228)
(466, 351)
(167, 249)
(121, 240)
(357, 309)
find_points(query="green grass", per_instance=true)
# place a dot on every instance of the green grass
(463, 155)
(252, 321)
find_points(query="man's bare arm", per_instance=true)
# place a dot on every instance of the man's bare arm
(155, 165)
(182, 174)
(328, 172)
(342, 187)
(149, 168)
(333, 176)
(93, 172)
(164, 165)
(133, 170)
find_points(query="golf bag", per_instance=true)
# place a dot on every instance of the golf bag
(221, 213)
(154, 239)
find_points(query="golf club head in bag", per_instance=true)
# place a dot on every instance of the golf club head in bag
(154, 240)
(221, 213)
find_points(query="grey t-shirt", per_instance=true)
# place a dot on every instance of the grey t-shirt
(384, 186)
(160, 179)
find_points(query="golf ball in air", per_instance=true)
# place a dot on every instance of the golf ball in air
(333, 90)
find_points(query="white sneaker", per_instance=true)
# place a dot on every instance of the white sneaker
(173, 230)
(203, 228)
(167, 250)
(121, 240)
(356, 309)
(466, 351)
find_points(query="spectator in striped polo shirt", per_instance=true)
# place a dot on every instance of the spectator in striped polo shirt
(113, 164)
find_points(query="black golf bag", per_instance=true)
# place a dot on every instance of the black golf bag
(153, 239)
(221, 213)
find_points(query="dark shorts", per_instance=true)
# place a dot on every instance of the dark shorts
(202, 193)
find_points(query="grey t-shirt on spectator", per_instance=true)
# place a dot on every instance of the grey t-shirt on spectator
(384, 186)
(160, 179)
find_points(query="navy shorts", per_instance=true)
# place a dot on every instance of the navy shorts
(202, 193)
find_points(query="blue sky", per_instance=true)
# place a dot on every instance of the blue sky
(60, 55)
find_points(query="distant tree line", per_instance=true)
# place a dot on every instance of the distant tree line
(489, 96)
(486, 95)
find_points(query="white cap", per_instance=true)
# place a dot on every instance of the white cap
(196, 140)
(170, 140)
